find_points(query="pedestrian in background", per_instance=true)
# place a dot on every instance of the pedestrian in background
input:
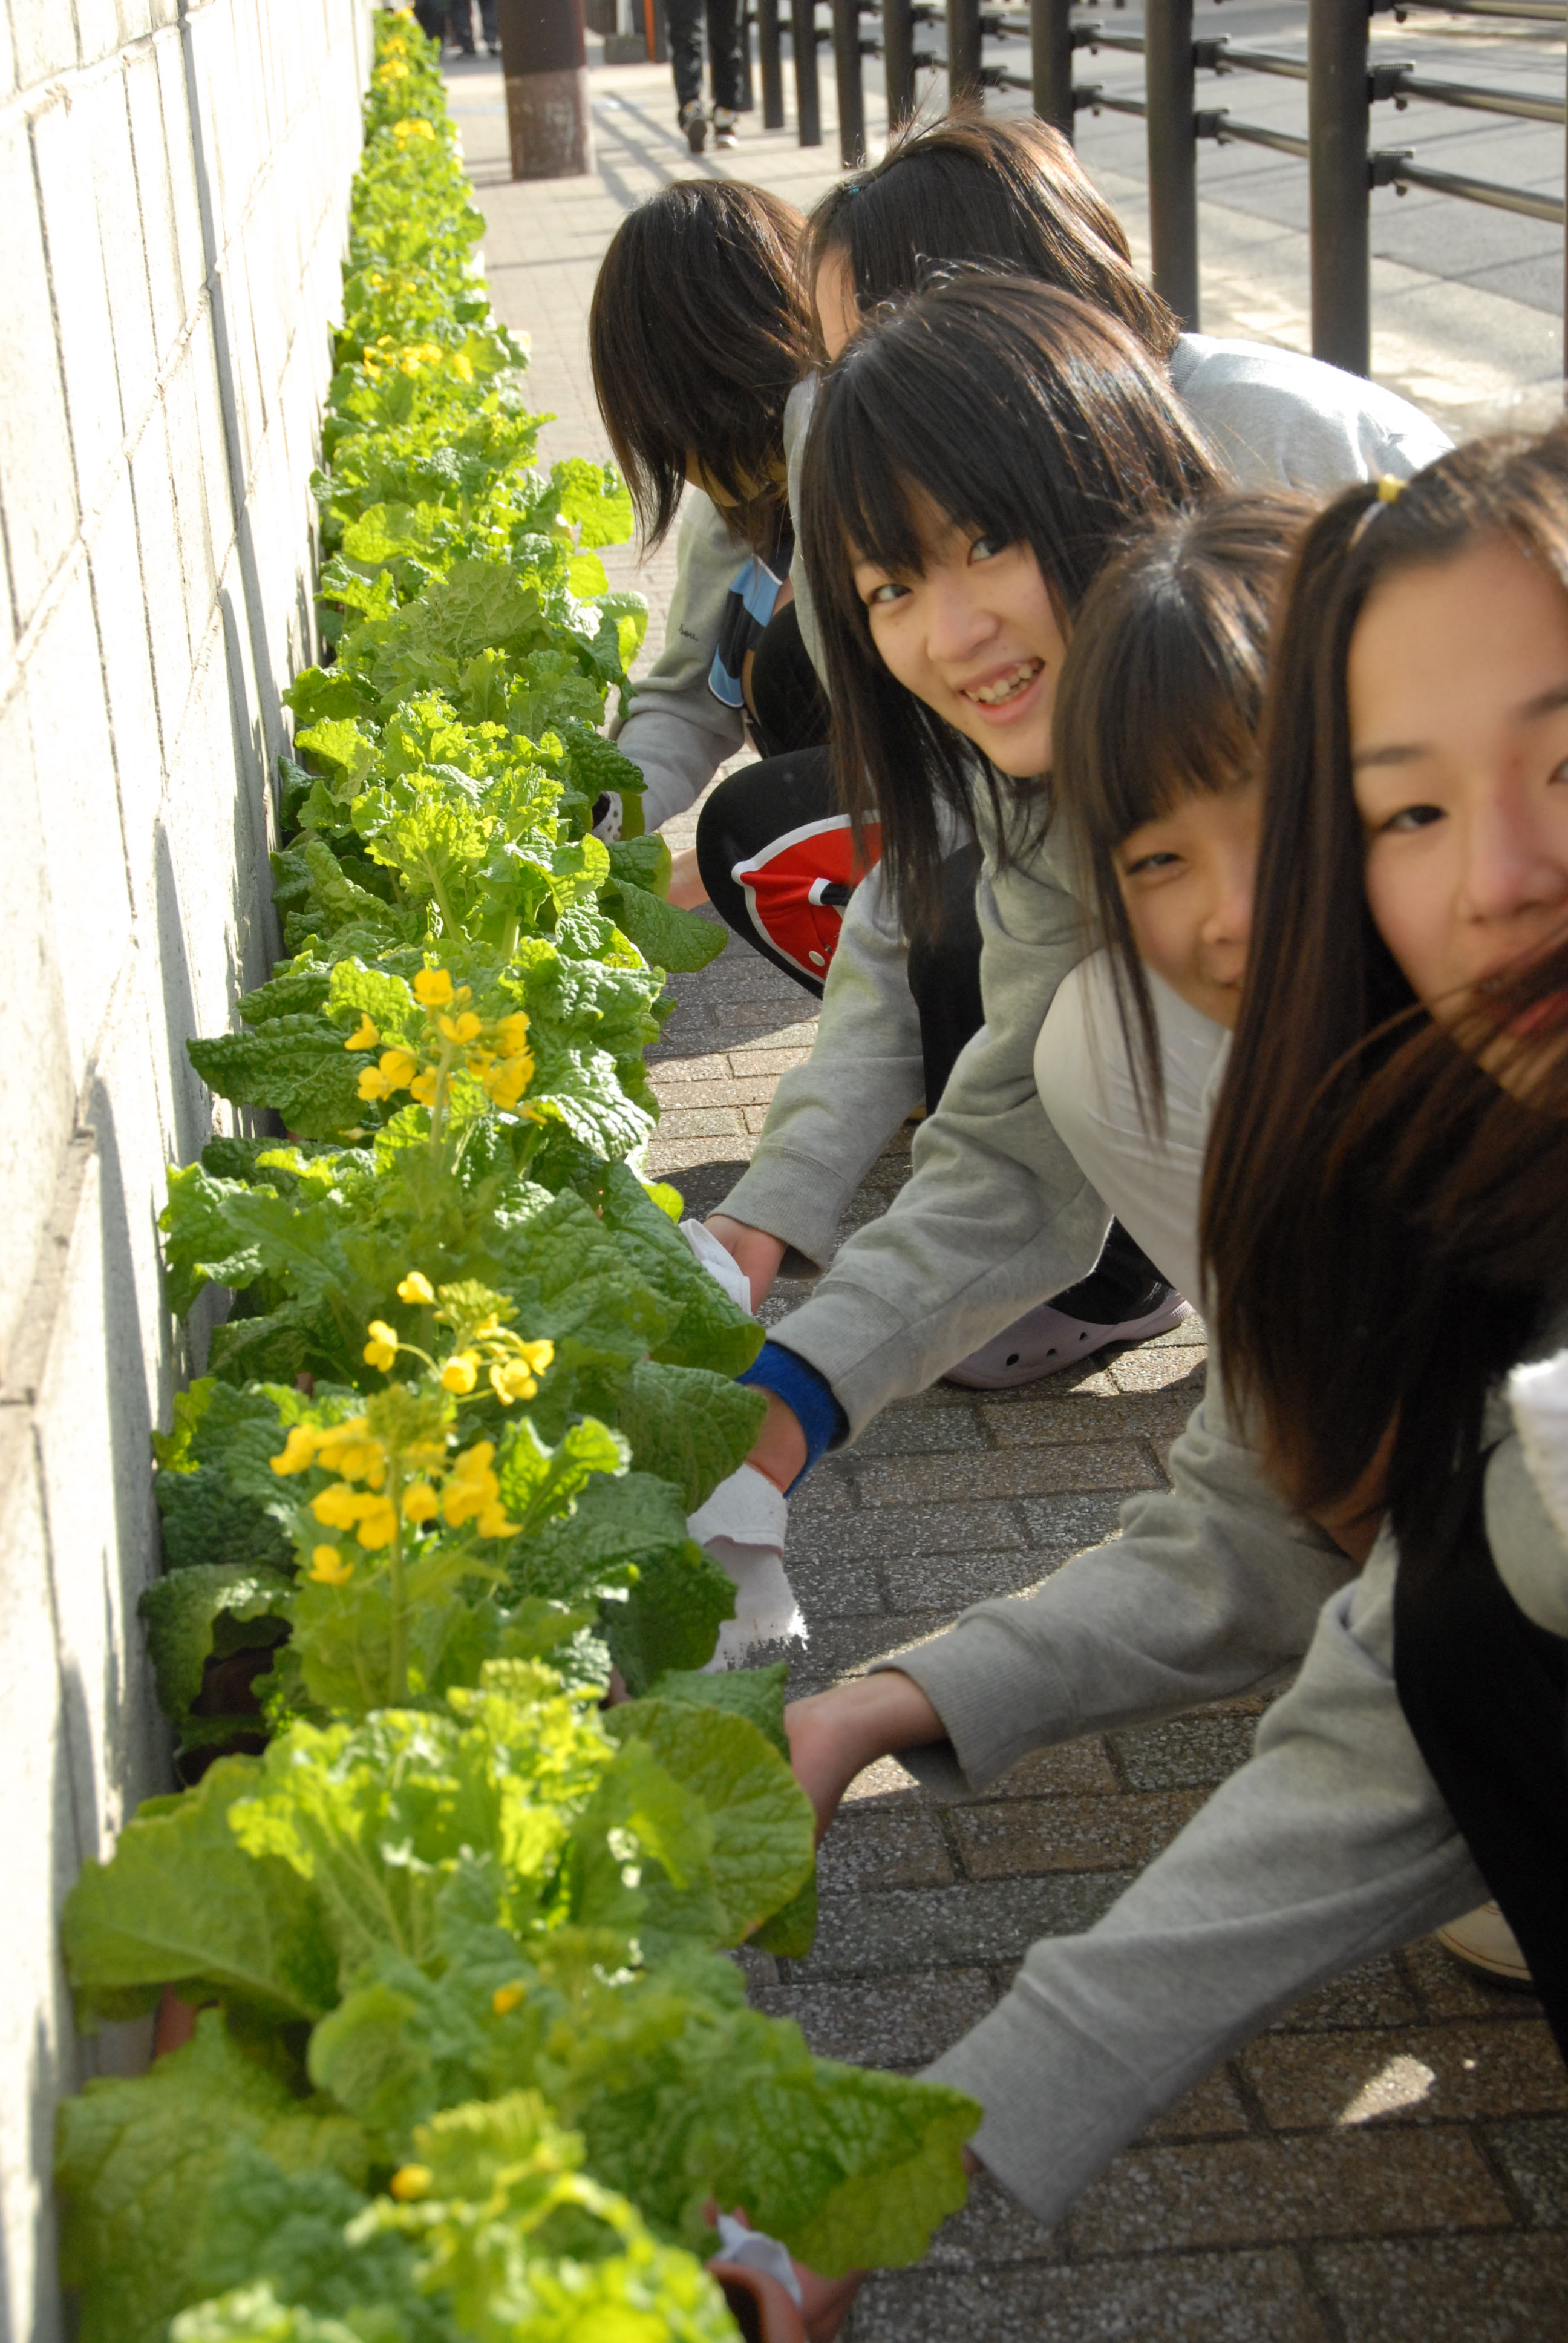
(726, 65)
(461, 16)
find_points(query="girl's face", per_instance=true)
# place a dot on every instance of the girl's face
(1186, 880)
(974, 634)
(1457, 685)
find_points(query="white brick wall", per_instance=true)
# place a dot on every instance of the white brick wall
(174, 181)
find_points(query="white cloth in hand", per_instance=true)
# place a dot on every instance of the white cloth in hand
(754, 2249)
(721, 1266)
(743, 1526)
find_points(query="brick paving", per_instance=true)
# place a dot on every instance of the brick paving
(1389, 2164)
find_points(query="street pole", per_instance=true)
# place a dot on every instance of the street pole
(544, 59)
(1339, 131)
(1173, 155)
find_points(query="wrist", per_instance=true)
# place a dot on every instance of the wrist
(780, 1452)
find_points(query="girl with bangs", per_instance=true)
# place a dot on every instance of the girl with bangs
(1385, 1240)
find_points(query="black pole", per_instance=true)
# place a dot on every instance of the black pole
(807, 97)
(543, 63)
(1338, 112)
(963, 49)
(1050, 61)
(772, 64)
(851, 92)
(1173, 154)
(899, 55)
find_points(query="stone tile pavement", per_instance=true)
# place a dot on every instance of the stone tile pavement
(1389, 2164)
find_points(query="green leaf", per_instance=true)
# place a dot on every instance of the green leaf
(253, 2314)
(708, 1331)
(297, 1064)
(680, 941)
(671, 1617)
(644, 861)
(689, 1426)
(594, 498)
(180, 1903)
(756, 1693)
(764, 1830)
(182, 1611)
(616, 1523)
(538, 1483)
(137, 2160)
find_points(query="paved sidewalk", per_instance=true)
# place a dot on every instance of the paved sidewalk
(1387, 2165)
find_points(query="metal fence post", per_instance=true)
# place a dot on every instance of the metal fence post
(963, 49)
(1173, 154)
(899, 55)
(1338, 111)
(852, 91)
(807, 97)
(771, 64)
(1050, 62)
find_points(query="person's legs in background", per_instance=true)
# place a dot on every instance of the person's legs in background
(492, 29)
(461, 16)
(726, 65)
(684, 18)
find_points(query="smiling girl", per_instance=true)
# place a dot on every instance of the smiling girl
(1386, 1225)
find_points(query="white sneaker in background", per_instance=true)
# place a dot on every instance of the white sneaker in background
(1483, 1940)
(724, 132)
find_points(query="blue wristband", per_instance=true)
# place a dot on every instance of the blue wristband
(808, 1394)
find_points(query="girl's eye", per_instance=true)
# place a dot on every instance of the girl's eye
(985, 548)
(1149, 862)
(1417, 817)
(889, 592)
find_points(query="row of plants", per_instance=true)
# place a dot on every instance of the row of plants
(469, 2061)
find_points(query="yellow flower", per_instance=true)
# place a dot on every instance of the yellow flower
(339, 1507)
(373, 1083)
(347, 1451)
(505, 1999)
(365, 1035)
(411, 2180)
(393, 70)
(539, 1355)
(423, 1088)
(463, 367)
(433, 988)
(416, 1287)
(511, 1033)
(381, 1350)
(461, 1372)
(398, 1068)
(420, 1502)
(471, 1487)
(510, 1380)
(493, 1522)
(463, 1028)
(298, 1450)
(377, 1525)
(327, 1567)
(412, 128)
(480, 1062)
(506, 1082)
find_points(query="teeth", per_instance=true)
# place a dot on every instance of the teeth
(1008, 686)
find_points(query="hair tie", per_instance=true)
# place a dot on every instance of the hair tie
(1388, 488)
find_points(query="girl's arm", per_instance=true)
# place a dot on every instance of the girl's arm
(1330, 1845)
(831, 1118)
(997, 1215)
(678, 733)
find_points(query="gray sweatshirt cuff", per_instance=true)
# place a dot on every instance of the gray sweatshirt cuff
(997, 1697)
(793, 1197)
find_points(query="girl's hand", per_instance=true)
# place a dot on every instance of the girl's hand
(756, 1252)
(826, 2302)
(834, 1735)
(687, 891)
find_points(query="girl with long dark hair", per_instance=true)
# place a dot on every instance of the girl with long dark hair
(1386, 1232)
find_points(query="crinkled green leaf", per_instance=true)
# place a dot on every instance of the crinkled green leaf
(667, 937)
(671, 1616)
(179, 1903)
(593, 497)
(709, 1330)
(689, 1426)
(297, 1064)
(616, 1523)
(137, 2160)
(182, 1612)
(764, 1830)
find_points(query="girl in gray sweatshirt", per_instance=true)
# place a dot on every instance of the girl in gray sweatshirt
(1390, 1165)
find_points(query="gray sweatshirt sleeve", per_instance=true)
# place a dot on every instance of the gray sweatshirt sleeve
(831, 1118)
(797, 421)
(1330, 1845)
(1213, 1587)
(678, 733)
(997, 1216)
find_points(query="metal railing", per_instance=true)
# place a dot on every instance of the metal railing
(1344, 85)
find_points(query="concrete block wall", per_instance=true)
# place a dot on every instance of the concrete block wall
(174, 185)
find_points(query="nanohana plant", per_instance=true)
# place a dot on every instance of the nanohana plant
(469, 2061)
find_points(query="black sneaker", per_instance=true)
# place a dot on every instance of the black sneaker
(694, 122)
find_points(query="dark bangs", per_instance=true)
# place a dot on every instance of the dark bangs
(1162, 700)
(1019, 411)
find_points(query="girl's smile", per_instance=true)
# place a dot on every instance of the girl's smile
(974, 633)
